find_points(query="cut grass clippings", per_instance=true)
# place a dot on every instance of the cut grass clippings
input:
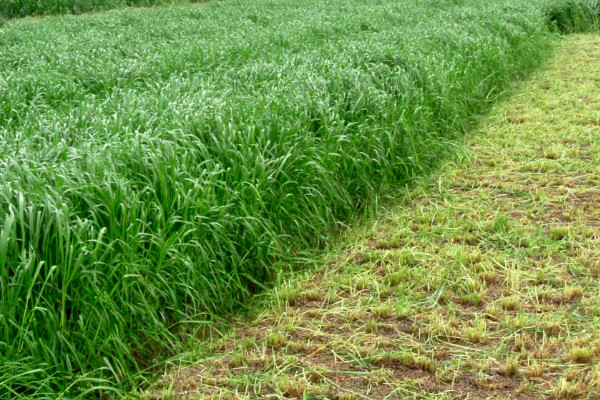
(482, 283)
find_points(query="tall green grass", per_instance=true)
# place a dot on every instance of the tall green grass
(573, 16)
(157, 167)
(23, 8)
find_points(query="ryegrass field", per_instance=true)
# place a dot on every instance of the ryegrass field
(479, 282)
(159, 166)
(24, 8)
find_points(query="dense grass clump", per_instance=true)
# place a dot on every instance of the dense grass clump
(159, 166)
(573, 16)
(23, 8)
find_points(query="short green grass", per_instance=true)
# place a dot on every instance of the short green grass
(482, 283)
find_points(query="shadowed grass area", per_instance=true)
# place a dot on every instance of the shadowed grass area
(574, 16)
(482, 283)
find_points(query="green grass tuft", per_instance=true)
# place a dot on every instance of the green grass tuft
(573, 16)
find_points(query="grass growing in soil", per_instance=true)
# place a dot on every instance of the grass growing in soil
(160, 166)
(482, 283)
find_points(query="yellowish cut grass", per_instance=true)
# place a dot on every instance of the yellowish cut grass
(483, 283)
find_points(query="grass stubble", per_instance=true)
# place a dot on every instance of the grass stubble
(482, 283)
(161, 166)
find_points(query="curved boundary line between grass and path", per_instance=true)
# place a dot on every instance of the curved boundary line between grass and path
(481, 281)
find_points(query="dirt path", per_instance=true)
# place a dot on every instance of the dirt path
(482, 284)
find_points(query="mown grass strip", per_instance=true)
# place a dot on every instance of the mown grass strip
(482, 283)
